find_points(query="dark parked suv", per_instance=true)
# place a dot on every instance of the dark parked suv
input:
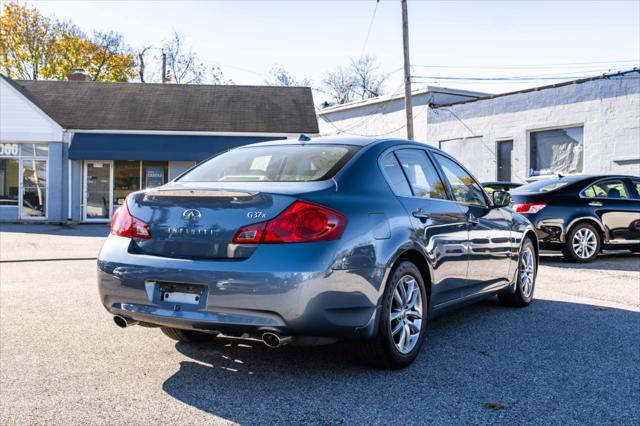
(581, 215)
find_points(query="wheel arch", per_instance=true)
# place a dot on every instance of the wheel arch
(418, 259)
(588, 220)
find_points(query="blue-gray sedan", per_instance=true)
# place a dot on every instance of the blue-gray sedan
(310, 242)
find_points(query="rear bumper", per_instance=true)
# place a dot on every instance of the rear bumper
(294, 293)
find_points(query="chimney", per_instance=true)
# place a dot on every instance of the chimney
(78, 74)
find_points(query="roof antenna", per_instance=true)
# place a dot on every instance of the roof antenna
(560, 175)
(303, 138)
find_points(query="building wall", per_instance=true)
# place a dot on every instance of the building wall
(609, 110)
(23, 122)
(386, 118)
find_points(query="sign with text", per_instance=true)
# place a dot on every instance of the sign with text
(9, 149)
(154, 177)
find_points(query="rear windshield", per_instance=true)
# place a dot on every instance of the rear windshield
(277, 163)
(546, 185)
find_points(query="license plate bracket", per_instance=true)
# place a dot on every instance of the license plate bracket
(178, 293)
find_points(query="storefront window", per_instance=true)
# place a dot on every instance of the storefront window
(556, 151)
(126, 179)
(34, 188)
(34, 150)
(23, 178)
(154, 173)
(9, 178)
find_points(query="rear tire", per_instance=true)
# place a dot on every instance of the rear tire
(583, 244)
(187, 336)
(525, 279)
(403, 321)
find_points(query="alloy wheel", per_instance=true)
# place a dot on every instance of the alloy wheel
(405, 315)
(527, 271)
(584, 243)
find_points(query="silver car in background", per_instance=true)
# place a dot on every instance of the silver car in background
(310, 242)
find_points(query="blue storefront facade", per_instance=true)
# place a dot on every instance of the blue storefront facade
(65, 160)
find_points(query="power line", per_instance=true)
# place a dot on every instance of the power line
(531, 66)
(366, 40)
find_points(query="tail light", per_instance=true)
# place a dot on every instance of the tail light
(300, 223)
(125, 225)
(528, 207)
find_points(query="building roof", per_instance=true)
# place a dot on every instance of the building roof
(87, 105)
(549, 86)
(417, 92)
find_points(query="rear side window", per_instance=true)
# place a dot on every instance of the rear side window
(276, 163)
(636, 185)
(395, 176)
(606, 189)
(422, 175)
(465, 188)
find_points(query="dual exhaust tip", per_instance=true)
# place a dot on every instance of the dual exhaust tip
(272, 340)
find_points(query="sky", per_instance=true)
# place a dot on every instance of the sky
(485, 39)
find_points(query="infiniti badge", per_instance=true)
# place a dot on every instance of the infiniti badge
(192, 214)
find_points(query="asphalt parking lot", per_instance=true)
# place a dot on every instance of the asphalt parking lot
(572, 356)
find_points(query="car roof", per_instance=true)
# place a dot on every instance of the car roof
(360, 141)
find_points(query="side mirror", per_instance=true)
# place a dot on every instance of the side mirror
(501, 198)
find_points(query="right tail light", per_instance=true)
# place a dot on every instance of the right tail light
(301, 222)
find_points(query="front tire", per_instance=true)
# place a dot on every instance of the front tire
(403, 320)
(187, 336)
(526, 278)
(583, 243)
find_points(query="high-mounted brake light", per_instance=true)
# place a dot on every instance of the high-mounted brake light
(125, 225)
(528, 207)
(299, 223)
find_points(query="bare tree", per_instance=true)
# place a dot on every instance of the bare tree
(340, 85)
(369, 80)
(183, 64)
(360, 80)
(281, 77)
(217, 77)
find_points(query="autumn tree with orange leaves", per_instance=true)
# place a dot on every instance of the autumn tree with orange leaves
(35, 47)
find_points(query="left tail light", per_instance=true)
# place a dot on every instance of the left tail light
(528, 207)
(299, 223)
(125, 225)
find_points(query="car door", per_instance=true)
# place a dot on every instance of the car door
(618, 211)
(489, 228)
(439, 226)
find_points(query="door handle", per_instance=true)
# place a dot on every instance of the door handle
(421, 214)
(595, 204)
(472, 220)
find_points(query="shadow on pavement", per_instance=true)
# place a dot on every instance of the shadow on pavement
(608, 260)
(80, 230)
(551, 362)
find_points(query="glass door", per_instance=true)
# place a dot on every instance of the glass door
(34, 189)
(98, 182)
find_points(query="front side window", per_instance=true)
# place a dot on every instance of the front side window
(636, 184)
(422, 175)
(9, 181)
(606, 189)
(465, 189)
(556, 151)
(276, 163)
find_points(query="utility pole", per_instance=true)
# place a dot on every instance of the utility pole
(408, 104)
(164, 67)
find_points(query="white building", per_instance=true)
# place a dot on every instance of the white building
(585, 126)
(589, 126)
(385, 116)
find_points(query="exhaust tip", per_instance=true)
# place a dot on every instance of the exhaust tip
(273, 340)
(122, 322)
